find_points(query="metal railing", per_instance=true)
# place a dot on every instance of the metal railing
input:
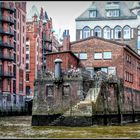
(6, 5)
(10, 32)
(6, 45)
(6, 57)
(6, 74)
(7, 19)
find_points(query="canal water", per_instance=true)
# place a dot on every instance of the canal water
(20, 127)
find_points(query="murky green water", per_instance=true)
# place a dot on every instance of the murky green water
(20, 127)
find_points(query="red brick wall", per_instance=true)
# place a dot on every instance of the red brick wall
(118, 59)
(95, 45)
(131, 68)
(67, 61)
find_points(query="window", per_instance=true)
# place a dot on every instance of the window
(106, 33)
(23, 18)
(27, 90)
(128, 58)
(27, 56)
(49, 90)
(107, 55)
(76, 54)
(126, 32)
(92, 13)
(138, 40)
(27, 47)
(113, 13)
(23, 29)
(23, 39)
(86, 32)
(27, 76)
(83, 56)
(27, 66)
(129, 77)
(97, 31)
(98, 55)
(118, 33)
(104, 70)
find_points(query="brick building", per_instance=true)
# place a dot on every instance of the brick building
(12, 54)
(40, 41)
(98, 54)
(68, 60)
(112, 20)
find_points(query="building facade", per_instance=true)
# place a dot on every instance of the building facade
(112, 20)
(111, 57)
(40, 41)
(69, 60)
(12, 55)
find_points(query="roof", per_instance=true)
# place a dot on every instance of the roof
(103, 39)
(102, 6)
(64, 52)
(125, 46)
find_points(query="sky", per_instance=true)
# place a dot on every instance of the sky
(63, 14)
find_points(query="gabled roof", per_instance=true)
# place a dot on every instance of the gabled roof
(63, 52)
(125, 46)
(101, 6)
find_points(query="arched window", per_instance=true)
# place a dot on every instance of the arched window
(118, 32)
(86, 32)
(126, 32)
(97, 31)
(138, 40)
(107, 33)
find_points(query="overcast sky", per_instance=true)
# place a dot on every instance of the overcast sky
(63, 13)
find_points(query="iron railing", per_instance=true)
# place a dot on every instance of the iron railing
(7, 6)
(3, 32)
(6, 74)
(7, 57)
(7, 19)
(6, 45)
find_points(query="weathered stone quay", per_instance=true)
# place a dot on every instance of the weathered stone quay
(77, 99)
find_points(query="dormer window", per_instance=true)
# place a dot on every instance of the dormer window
(113, 9)
(113, 13)
(92, 13)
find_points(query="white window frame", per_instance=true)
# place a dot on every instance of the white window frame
(83, 56)
(98, 55)
(107, 33)
(86, 32)
(118, 30)
(126, 32)
(106, 56)
(113, 13)
(98, 31)
(92, 13)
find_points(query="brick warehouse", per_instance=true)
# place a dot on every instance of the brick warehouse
(40, 41)
(98, 54)
(12, 58)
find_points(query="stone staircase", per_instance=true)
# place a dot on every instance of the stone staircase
(82, 108)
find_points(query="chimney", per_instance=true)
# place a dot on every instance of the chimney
(57, 70)
(66, 40)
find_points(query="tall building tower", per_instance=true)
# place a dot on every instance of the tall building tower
(12, 75)
(20, 51)
(40, 41)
